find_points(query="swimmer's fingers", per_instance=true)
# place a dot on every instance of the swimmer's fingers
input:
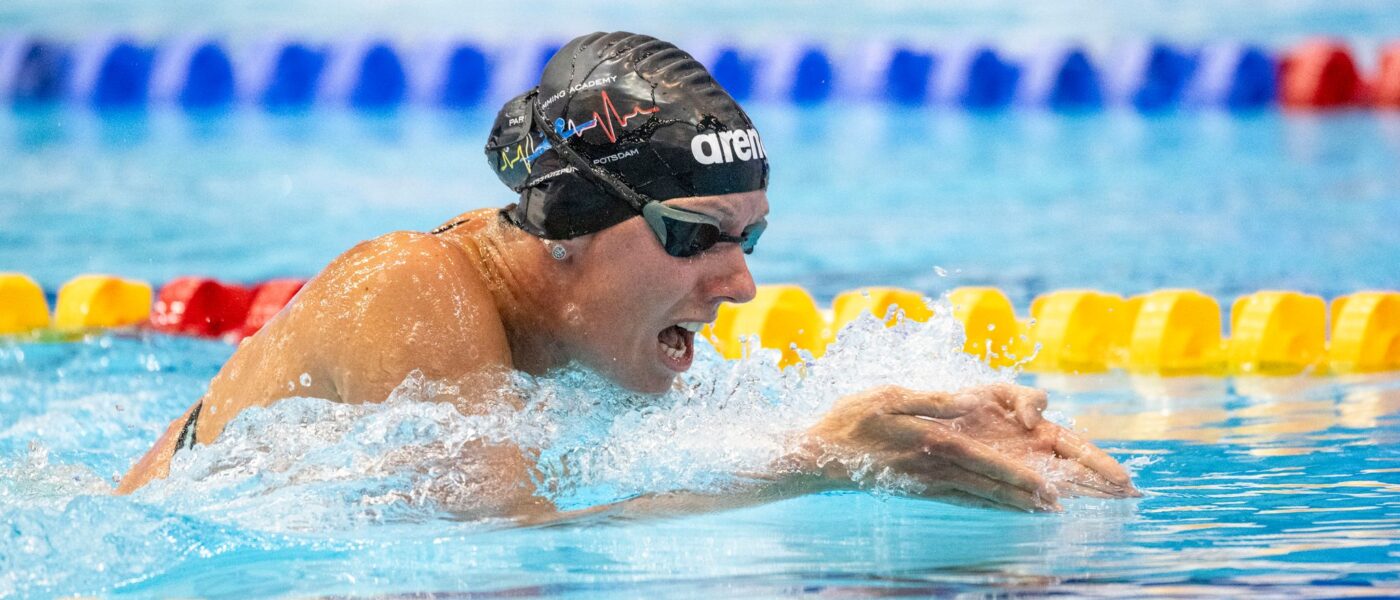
(1095, 462)
(999, 493)
(1030, 405)
(1026, 403)
(1084, 484)
(936, 405)
(958, 498)
(977, 457)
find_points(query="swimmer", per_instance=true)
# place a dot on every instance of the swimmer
(641, 190)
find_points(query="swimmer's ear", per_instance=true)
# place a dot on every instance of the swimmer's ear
(564, 250)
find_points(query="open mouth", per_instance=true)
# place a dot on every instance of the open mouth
(677, 345)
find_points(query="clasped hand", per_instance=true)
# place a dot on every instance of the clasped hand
(983, 446)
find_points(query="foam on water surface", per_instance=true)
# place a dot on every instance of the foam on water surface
(310, 467)
(306, 464)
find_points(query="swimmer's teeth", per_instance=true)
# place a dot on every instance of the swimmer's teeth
(673, 341)
(691, 326)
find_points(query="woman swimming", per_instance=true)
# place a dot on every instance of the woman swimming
(641, 189)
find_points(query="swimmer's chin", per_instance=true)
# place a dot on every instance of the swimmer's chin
(658, 382)
(655, 386)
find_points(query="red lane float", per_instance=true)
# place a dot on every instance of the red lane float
(200, 306)
(1387, 86)
(268, 298)
(1319, 74)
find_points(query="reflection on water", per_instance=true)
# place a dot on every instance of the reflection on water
(1264, 415)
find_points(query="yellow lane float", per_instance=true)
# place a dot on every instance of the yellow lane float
(1078, 330)
(1164, 332)
(782, 316)
(22, 304)
(1277, 333)
(93, 301)
(1365, 333)
(878, 301)
(1174, 332)
(993, 333)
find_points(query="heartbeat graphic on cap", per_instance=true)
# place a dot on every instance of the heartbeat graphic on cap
(610, 121)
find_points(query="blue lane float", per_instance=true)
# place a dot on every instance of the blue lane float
(34, 70)
(975, 77)
(364, 74)
(907, 79)
(1148, 76)
(194, 73)
(295, 75)
(448, 73)
(813, 78)
(204, 73)
(1060, 78)
(797, 73)
(1235, 77)
(735, 71)
(382, 81)
(466, 77)
(113, 74)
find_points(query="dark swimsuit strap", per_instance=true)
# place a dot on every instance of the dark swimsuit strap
(450, 225)
(503, 214)
(186, 439)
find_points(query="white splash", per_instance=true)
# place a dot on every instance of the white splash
(301, 463)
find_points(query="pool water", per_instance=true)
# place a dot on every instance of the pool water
(1261, 487)
(1266, 487)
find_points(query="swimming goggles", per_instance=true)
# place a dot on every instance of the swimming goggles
(687, 233)
(683, 233)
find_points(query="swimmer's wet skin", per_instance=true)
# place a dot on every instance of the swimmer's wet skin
(641, 190)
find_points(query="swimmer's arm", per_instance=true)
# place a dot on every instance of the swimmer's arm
(156, 462)
(897, 431)
(410, 302)
(752, 490)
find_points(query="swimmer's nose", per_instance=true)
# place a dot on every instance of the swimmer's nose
(734, 283)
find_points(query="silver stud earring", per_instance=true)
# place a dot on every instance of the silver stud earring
(558, 251)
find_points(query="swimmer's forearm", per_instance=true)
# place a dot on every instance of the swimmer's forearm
(670, 504)
(792, 476)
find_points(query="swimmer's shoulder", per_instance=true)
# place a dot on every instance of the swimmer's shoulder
(400, 302)
(468, 223)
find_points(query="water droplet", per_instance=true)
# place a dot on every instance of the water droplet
(991, 326)
(305, 380)
(940, 271)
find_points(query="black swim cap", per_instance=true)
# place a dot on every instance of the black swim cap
(641, 120)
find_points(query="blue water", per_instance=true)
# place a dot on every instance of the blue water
(860, 195)
(1282, 487)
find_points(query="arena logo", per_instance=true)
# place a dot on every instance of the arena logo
(726, 146)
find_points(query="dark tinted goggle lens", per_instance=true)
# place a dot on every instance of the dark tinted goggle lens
(686, 233)
(750, 235)
(688, 238)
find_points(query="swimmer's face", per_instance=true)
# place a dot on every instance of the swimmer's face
(635, 306)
